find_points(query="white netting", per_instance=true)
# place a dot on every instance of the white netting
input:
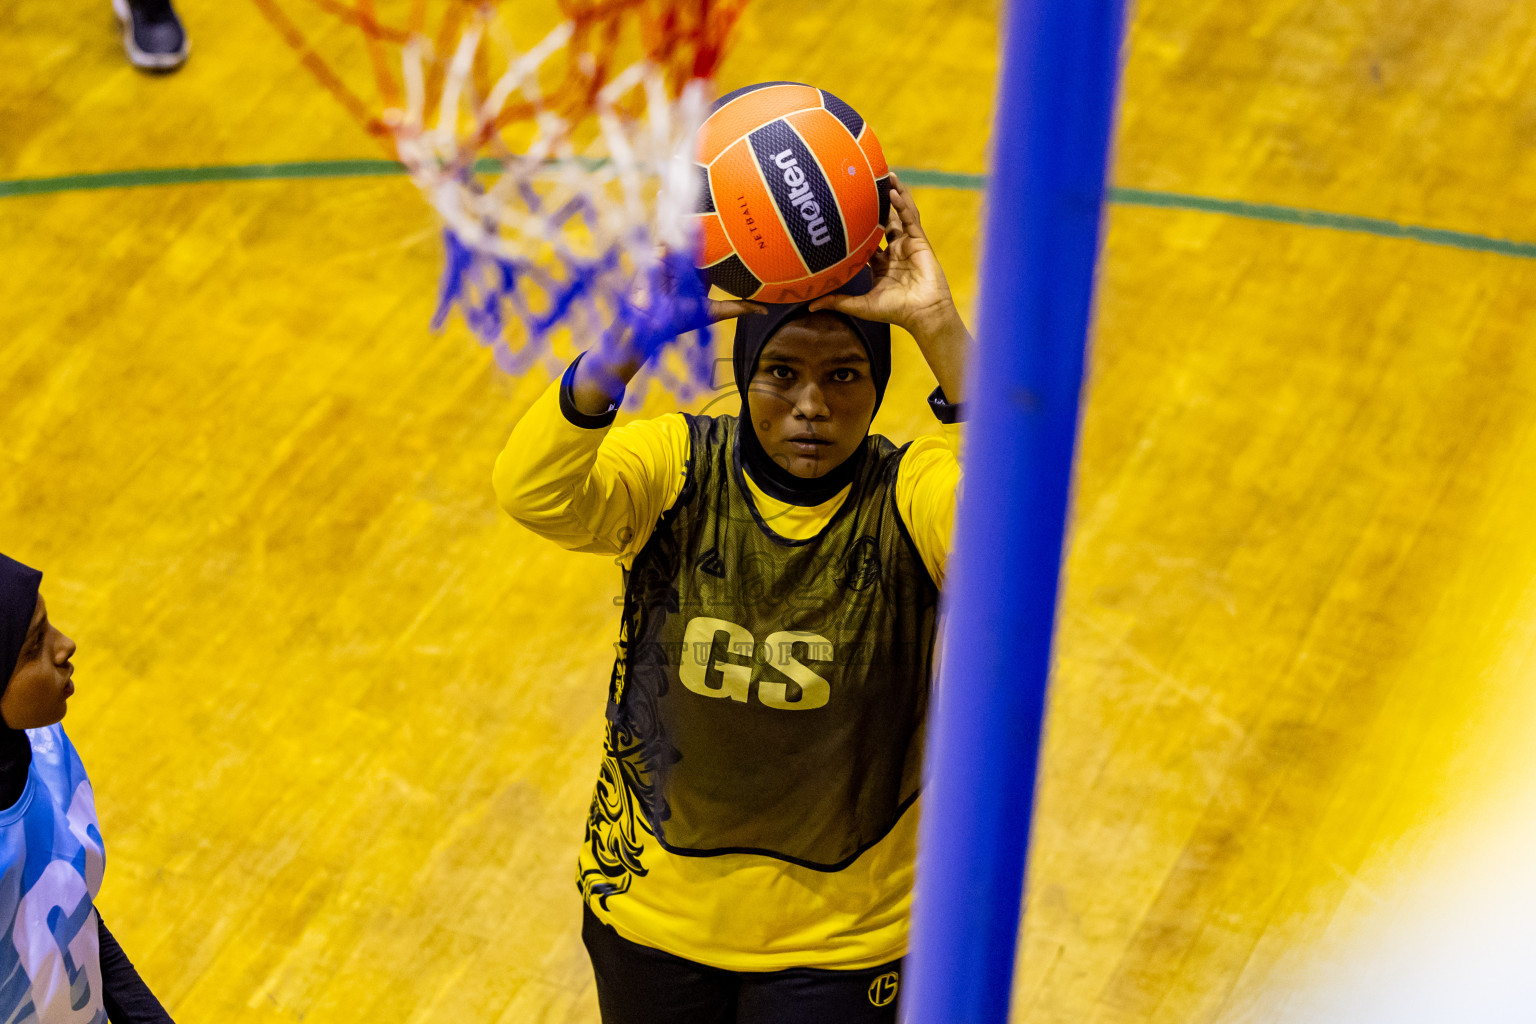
(586, 225)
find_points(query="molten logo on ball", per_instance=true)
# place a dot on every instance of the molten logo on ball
(800, 196)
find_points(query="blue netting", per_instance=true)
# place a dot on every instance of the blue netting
(514, 306)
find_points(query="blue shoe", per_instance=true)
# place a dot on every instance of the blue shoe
(152, 34)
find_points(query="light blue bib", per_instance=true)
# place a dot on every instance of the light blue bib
(52, 858)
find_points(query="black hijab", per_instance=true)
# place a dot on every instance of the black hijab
(18, 600)
(753, 332)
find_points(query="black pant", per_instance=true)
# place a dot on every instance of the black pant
(640, 985)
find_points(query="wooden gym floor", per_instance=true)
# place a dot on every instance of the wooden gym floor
(343, 716)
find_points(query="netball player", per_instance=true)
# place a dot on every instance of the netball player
(749, 849)
(58, 962)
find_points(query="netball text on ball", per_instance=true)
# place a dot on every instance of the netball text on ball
(800, 195)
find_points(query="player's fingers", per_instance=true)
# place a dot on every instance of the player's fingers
(725, 309)
(893, 225)
(853, 305)
(911, 221)
(902, 197)
(898, 186)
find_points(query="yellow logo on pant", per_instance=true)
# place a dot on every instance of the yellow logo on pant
(883, 989)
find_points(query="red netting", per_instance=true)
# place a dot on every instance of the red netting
(685, 38)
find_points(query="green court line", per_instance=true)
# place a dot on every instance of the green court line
(1319, 219)
(920, 178)
(329, 169)
(917, 176)
(199, 175)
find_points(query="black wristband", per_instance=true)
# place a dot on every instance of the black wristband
(568, 402)
(944, 410)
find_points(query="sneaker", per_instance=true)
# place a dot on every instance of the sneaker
(152, 34)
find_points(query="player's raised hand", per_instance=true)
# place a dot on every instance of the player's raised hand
(909, 290)
(667, 302)
(659, 311)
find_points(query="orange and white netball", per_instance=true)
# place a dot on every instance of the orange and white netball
(795, 193)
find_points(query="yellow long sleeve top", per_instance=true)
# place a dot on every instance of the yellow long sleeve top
(602, 490)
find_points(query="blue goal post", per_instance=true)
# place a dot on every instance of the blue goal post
(1050, 142)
